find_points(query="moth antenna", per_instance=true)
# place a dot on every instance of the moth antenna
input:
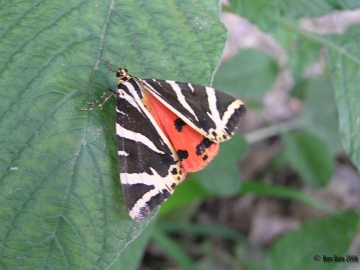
(127, 58)
(133, 42)
(110, 66)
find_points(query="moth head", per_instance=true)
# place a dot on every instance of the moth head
(123, 75)
(121, 72)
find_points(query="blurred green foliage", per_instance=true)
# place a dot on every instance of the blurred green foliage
(62, 206)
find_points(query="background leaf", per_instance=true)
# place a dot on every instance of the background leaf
(267, 14)
(344, 58)
(301, 51)
(301, 8)
(309, 157)
(174, 252)
(249, 73)
(297, 249)
(184, 194)
(62, 206)
(221, 176)
(320, 116)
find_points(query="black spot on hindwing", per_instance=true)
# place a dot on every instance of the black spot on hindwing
(201, 147)
(179, 123)
(174, 171)
(183, 154)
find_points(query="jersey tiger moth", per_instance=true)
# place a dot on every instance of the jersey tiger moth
(165, 129)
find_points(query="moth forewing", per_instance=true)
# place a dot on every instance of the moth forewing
(212, 113)
(149, 166)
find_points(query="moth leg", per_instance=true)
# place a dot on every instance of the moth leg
(100, 102)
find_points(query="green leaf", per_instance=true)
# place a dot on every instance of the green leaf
(130, 258)
(344, 62)
(309, 156)
(325, 237)
(344, 58)
(185, 193)
(301, 52)
(221, 176)
(315, 8)
(266, 13)
(60, 194)
(174, 252)
(248, 74)
(320, 115)
(282, 192)
(206, 230)
(263, 13)
(191, 190)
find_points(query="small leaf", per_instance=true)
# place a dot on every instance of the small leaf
(309, 157)
(320, 116)
(221, 176)
(248, 74)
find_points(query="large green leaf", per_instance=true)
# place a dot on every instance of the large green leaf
(60, 196)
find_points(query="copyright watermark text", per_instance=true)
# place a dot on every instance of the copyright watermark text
(337, 259)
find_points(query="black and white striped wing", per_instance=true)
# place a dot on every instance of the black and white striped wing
(149, 167)
(212, 113)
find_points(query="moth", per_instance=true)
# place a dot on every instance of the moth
(164, 130)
